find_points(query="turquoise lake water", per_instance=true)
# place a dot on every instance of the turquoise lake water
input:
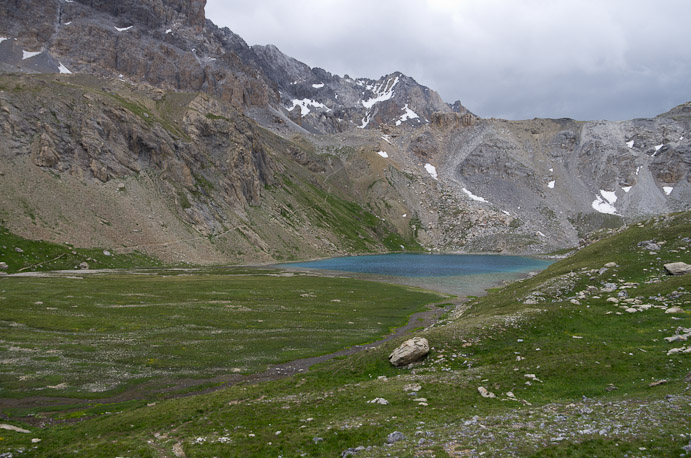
(450, 273)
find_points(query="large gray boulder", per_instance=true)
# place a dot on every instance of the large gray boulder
(410, 351)
(678, 268)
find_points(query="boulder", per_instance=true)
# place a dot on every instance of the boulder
(3, 266)
(410, 351)
(678, 268)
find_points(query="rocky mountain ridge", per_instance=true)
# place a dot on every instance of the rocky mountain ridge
(151, 96)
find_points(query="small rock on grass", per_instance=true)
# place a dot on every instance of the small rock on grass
(484, 393)
(394, 437)
(658, 383)
(14, 428)
(412, 387)
(608, 288)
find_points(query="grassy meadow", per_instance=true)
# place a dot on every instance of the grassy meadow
(576, 359)
(95, 334)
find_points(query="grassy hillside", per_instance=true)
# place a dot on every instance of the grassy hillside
(573, 372)
(23, 255)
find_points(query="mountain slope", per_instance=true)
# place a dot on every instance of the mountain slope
(162, 101)
(177, 175)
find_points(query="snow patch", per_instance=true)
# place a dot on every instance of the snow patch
(610, 196)
(304, 105)
(541, 234)
(387, 139)
(405, 215)
(551, 169)
(603, 207)
(123, 29)
(64, 69)
(318, 86)
(30, 54)
(630, 144)
(681, 138)
(407, 115)
(365, 120)
(506, 213)
(169, 31)
(432, 170)
(474, 197)
(638, 169)
(3, 39)
(605, 204)
(668, 189)
(657, 149)
(626, 188)
(383, 91)
(383, 154)
(68, 23)
(551, 184)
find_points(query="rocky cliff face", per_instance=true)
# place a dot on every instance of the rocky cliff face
(183, 176)
(164, 43)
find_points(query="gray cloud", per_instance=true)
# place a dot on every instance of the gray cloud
(586, 59)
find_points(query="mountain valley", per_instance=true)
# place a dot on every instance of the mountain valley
(155, 169)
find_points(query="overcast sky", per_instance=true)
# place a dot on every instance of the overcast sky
(514, 59)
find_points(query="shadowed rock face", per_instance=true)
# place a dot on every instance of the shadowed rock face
(154, 13)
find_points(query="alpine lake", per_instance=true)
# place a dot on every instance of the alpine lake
(454, 274)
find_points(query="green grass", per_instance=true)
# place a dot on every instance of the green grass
(96, 334)
(359, 230)
(216, 117)
(578, 351)
(23, 255)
